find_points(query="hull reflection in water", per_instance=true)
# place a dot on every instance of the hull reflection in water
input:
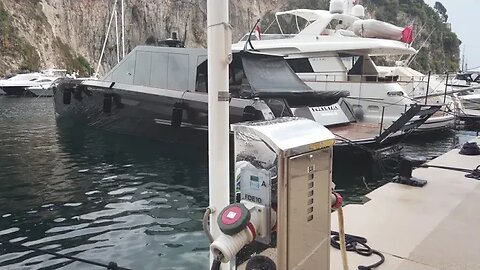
(100, 196)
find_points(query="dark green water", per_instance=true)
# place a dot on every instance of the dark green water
(106, 197)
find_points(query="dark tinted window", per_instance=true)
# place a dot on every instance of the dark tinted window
(202, 78)
(300, 65)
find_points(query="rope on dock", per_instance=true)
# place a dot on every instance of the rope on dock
(343, 247)
(358, 245)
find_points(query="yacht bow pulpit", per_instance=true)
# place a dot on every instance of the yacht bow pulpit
(281, 218)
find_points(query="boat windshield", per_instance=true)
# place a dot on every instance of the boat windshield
(255, 74)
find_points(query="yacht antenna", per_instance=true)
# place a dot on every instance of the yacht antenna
(349, 6)
(249, 41)
(421, 47)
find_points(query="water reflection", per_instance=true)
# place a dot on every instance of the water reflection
(107, 197)
(97, 195)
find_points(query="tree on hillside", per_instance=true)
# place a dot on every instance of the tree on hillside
(441, 10)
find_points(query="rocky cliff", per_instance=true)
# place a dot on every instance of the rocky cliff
(36, 34)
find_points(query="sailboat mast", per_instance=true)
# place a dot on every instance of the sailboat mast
(106, 38)
(117, 37)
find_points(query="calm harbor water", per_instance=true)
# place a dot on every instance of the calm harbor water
(107, 197)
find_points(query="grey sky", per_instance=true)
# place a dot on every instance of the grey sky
(463, 15)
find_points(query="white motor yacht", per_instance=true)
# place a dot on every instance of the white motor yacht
(333, 50)
(32, 84)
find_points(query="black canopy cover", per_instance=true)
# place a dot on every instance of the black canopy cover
(271, 76)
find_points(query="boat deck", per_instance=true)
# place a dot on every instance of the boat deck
(430, 228)
(357, 131)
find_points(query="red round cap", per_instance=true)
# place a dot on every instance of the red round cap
(233, 219)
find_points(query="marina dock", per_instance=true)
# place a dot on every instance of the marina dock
(434, 227)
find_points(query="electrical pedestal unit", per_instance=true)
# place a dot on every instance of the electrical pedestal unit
(281, 218)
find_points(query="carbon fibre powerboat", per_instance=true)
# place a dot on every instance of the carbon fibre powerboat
(161, 93)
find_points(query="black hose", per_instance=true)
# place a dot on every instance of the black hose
(216, 265)
(358, 245)
(110, 265)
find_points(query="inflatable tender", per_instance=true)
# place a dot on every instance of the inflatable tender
(378, 29)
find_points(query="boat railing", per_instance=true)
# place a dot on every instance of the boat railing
(267, 36)
(315, 77)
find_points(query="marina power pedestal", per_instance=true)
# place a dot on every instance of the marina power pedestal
(281, 218)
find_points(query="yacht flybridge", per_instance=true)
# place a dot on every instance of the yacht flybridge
(161, 93)
(333, 50)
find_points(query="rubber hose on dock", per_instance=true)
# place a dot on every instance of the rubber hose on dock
(216, 265)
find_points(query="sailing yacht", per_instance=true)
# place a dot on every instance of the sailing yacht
(333, 52)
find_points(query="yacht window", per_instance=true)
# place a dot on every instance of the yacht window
(202, 78)
(477, 78)
(237, 81)
(279, 107)
(300, 65)
(373, 108)
(365, 68)
(463, 77)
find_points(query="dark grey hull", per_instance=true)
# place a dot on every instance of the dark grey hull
(182, 119)
(21, 91)
(160, 117)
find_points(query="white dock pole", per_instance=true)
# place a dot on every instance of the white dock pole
(123, 29)
(218, 110)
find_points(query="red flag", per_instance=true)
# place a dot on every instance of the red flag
(257, 32)
(407, 34)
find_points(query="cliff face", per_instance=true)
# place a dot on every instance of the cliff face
(70, 33)
(37, 34)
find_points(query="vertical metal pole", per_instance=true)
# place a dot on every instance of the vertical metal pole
(446, 87)
(123, 29)
(428, 87)
(381, 123)
(219, 50)
(106, 39)
(117, 36)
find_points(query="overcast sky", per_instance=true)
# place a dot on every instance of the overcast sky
(464, 17)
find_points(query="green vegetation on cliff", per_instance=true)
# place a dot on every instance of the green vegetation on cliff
(13, 47)
(71, 62)
(441, 50)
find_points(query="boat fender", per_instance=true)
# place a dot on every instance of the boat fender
(77, 94)
(117, 100)
(67, 96)
(177, 116)
(107, 103)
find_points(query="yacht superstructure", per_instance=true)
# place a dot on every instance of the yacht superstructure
(334, 50)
